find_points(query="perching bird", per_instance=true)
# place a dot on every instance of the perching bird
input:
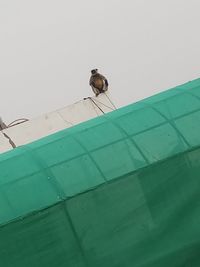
(98, 82)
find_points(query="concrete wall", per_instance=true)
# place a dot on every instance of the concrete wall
(55, 121)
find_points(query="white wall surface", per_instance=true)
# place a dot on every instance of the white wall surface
(55, 121)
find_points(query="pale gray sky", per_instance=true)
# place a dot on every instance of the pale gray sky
(48, 48)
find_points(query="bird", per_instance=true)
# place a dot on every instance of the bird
(98, 82)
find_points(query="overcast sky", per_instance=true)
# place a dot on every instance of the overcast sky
(48, 48)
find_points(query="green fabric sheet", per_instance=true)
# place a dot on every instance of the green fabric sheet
(121, 190)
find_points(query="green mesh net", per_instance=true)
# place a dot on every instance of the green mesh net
(121, 190)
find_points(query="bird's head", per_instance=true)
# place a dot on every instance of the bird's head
(94, 71)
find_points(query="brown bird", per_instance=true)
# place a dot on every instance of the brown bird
(98, 82)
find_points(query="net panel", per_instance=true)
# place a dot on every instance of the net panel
(119, 190)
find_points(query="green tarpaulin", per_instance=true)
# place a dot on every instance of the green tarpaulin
(121, 190)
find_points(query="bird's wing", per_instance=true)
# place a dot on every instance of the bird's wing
(105, 80)
(92, 82)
